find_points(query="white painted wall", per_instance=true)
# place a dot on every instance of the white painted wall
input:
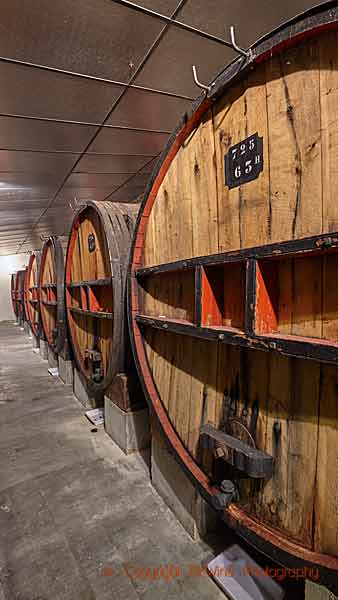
(9, 264)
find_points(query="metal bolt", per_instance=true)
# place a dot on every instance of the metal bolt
(218, 452)
(227, 486)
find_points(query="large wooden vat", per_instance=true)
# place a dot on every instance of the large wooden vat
(96, 266)
(13, 293)
(19, 295)
(233, 299)
(31, 294)
(52, 294)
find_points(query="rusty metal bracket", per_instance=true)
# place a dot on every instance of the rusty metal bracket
(254, 463)
(228, 494)
(96, 359)
(93, 355)
(326, 242)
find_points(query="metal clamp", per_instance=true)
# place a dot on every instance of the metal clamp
(96, 359)
(228, 494)
(93, 355)
(325, 242)
(241, 456)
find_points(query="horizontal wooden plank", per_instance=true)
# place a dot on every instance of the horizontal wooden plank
(75, 284)
(48, 286)
(293, 346)
(314, 244)
(91, 313)
(228, 335)
(300, 347)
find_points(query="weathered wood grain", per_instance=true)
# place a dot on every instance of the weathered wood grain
(291, 102)
(99, 250)
(294, 139)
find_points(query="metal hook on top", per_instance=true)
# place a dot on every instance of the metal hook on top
(246, 53)
(76, 204)
(43, 238)
(73, 204)
(207, 88)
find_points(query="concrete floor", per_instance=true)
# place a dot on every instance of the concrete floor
(78, 519)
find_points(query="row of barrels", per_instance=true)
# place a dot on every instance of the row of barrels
(232, 293)
(73, 292)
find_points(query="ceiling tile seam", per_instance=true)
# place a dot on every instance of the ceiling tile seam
(111, 172)
(88, 124)
(115, 104)
(19, 172)
(52, 174)
(122, 84)
(133, 175)
(172, 21)
(72, 152)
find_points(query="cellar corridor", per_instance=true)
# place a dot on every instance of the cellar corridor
(78, 519)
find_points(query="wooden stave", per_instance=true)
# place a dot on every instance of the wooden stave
(35, 328)
(124, 215)
(264, 538)
(58, 245)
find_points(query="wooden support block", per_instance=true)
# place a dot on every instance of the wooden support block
(125, 392)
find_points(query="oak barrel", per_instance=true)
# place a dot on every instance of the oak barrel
(19, 295)
(31, 293)
(233, 293)
(96, 266)
(52, 294)
(13, 293)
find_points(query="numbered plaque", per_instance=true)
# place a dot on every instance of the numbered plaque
(244, 161)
